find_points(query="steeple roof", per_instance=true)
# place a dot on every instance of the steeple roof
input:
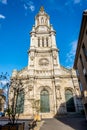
(42, 12)
(42, 9)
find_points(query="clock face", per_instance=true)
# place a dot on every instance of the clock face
(43, 62)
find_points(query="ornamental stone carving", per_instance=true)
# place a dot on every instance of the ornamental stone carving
(44, 61)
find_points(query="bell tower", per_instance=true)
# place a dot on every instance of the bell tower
(43, 39)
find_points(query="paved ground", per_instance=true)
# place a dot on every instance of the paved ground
(62, 123)
(65, 123)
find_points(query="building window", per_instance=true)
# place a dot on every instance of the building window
(86, 78)
(81, 62)
(83, 68)
(69, 101)
(44, 101)
(84, 51)
(77, 72)
(42, 20)
(38, 21)
(86, 31)
(38, 42)
(80, 85)
(47, 41)
(42, 42)
(20, 102)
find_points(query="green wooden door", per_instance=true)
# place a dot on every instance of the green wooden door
(44, 101)
(69, 101)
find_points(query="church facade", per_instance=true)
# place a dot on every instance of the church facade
(45, 86)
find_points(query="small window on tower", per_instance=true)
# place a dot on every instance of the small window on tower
(42, 20)
(46, 20)
(47, 41)
(42, 42)
(38, 42)
(38, 21)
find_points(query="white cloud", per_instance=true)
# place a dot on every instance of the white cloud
(3, 1)
(2, 16)
(77, 1)
(25, 7)
(69, 2)
(71, 54)
(32, 8)
(29, 5)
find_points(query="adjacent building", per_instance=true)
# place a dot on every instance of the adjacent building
(44, 86)
(80, 63)
(2, 100)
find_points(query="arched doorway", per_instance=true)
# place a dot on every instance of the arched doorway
(44, 101)
(69, 101)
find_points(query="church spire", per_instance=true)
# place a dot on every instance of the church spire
(42, 18)
(41, 8)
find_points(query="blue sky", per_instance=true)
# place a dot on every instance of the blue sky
(17, 18)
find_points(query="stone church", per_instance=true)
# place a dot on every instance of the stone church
(44, 86)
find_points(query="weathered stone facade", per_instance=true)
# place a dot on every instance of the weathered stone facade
(44, 79)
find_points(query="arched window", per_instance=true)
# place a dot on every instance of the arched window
(46, 20)
(42, 20)
(38, 21)
(69, 101)
(38, 42)
(20, 102)
(47, 41)
(44, 101)
(42, 42)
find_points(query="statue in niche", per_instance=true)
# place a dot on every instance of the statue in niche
(58, 95)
